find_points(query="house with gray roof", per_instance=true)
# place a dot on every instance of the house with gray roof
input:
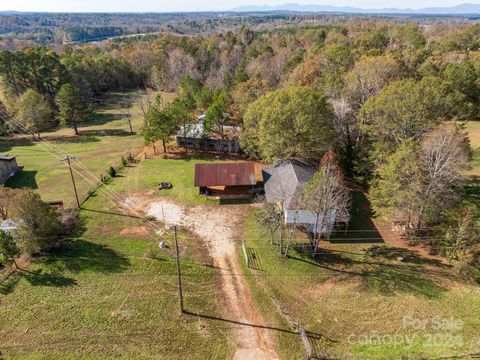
(284, 183)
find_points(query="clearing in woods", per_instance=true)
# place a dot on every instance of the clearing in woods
(218, 227)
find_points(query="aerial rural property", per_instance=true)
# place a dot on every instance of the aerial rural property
(239, 180)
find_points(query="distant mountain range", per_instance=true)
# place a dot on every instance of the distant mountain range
(463, 9)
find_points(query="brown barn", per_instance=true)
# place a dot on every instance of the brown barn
(227, 180)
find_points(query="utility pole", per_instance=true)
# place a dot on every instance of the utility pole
(179, 274)
(67, 159)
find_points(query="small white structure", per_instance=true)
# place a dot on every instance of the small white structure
(8, 226)
(194, 136)
(309, 219)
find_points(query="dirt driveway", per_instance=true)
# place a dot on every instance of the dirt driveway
(217, 227)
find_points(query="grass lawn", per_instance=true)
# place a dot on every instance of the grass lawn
(353, 299)
(108, 295)
(105, 137)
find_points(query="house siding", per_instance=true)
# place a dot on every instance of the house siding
(7, 168)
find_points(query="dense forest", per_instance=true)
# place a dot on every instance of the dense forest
(389, 96)
(19, 30)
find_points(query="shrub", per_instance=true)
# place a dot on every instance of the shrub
(124, 161)
(112, 172)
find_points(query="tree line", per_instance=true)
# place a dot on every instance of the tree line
(389, 98)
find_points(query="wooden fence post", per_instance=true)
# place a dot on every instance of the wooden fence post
(305, 341)
(245, 253)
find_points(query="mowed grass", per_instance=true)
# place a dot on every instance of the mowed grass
(355, 299)
(179, 172)
(108, 295)
(105, 138)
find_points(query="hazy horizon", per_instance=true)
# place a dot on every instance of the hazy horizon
(140, 6)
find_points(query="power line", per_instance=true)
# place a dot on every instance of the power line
(110, 193)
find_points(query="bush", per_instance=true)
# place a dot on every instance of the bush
(40, 226)
(124, 161)
(70, 220)
(112, 172)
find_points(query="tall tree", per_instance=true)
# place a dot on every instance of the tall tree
(216, 117)
(396, 188)
(8, 198)
(3, 119)
(158, 124)
(33, 111)
(327, 198)
(422, 180)
(127, 112)
(71, 106)
(407, 110)
(368, 77)
(292, 122)
(9, 247)
(40, 225)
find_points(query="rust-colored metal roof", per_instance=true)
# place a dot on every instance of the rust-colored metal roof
(225, 174)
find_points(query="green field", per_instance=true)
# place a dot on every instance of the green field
(354, 293)
(113, 294)
(105, 137)
(358, 299)
(110, 295)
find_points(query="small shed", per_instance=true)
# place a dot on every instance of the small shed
(8, 226)
(8, 167)
(226, 180)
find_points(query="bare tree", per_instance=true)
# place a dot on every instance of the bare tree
(444, 155)
(7, 201)
(127, 114)
(270, 218)
(327, 198)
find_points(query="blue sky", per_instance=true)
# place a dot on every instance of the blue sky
(189, 5)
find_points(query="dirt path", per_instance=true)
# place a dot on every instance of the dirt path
(217, 226)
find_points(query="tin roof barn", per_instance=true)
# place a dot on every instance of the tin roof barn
(226, 180)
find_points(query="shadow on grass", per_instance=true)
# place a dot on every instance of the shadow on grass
(382, 269)
(35, 278)
(81, 255)
(236, 322)
(361, 229)
(106, 132)
(75, 139)
(235, 201)
(472, 191)
(7, 285)
(23, 179)
(75, 257)
(53, 279)
(111, 213)
(7, 144)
